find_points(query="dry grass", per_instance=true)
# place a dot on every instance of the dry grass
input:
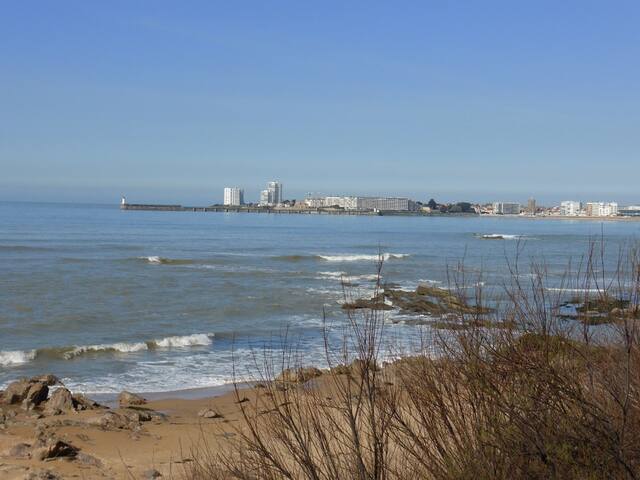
(545, 399)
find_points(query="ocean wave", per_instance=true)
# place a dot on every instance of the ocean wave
(16, 357)
(197, 339)
(73, 352)
(343, 276)
(362, 257)
(498, 236)
(574, 290)
(154, 259)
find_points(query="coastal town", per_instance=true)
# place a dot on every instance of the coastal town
(272, 200)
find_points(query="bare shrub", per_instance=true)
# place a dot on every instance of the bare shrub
(551, 397)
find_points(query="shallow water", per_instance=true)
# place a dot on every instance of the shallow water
(162, 301)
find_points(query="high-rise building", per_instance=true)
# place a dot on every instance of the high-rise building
(276, 191)
(506, 208)
(272, 195)
(233, 196)
(570, 208)
(531, 206)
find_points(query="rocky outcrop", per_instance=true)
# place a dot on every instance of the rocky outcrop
(55, 449)
(61, 401)
(125, 419)
(375, 303)
(127, 398)
(35, 395)
(80, 402)
(298, 375)
(33, 391)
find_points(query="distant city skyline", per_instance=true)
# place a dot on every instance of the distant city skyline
(482, 101)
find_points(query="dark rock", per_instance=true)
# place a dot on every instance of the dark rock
(127, 398)
(61, 401)
(80, 402)
(151, 474)
(30, 392)
(55, 449)
(48, 379)
(376, 303)
(36, 394)
(16, 392)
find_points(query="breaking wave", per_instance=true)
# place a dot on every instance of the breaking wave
(361, 257)
(154, 259)
(498, 236)
(340, 276)
(8, 358)
(347, 257)
(197, 339)
(16, 357)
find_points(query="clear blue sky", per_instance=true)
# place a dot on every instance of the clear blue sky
(171, 101)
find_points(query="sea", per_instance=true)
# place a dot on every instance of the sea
(165, 301)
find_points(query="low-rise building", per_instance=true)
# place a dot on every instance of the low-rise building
(601, 209)
(570, 208)
(630, 211)
(506, 208)
(362, 203)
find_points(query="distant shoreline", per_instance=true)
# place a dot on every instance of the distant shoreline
(382, 213)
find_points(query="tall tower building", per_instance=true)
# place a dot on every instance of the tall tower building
(275, 188)
(233, 196)
(531, 206)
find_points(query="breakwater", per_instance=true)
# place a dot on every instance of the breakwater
(251, 209)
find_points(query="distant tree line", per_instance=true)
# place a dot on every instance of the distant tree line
(459, 207)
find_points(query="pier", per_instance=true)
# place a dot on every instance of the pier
(250, 209)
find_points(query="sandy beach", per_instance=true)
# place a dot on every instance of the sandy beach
(141, 448)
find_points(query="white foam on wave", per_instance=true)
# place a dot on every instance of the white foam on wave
(16, 357)
(196, 339)
(500, 236)
(343, 276)
(333, 274)
(574, 290)
(154, 259)
(120, 347)
(362, 257)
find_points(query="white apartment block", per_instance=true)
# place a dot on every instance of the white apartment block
(601, 209)
(506, 208)
(361, 203)
(233, 196)
(570, 208)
